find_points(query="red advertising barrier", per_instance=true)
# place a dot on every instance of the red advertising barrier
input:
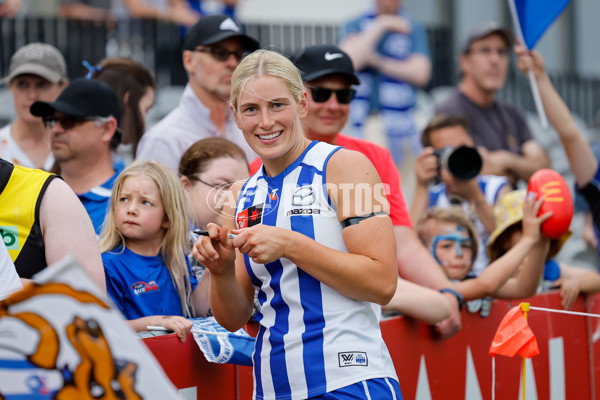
(427, 367)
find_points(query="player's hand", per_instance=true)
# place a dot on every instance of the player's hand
(262, 243)
(215, 251)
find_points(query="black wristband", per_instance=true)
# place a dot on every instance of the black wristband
(459, 297)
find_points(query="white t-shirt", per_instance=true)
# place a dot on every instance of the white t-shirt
(9, 280)
(11, 152)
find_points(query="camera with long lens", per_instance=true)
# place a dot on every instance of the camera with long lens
(462, 162)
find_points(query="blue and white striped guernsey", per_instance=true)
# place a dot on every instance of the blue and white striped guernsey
(312, 339)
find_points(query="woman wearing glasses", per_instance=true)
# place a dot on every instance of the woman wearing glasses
(314, 238)
(207, 169)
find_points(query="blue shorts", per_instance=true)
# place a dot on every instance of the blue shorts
(372, 389)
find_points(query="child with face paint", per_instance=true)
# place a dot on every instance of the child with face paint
(452, 240)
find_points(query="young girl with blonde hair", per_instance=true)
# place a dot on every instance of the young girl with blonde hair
(143, 245)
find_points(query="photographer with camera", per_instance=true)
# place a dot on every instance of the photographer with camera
(447, 174)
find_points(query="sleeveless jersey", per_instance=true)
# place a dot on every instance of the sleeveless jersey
(312, 339)
(21, 192)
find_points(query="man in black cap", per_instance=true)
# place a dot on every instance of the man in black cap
(84, 122)
(498, 129)
(212, 48)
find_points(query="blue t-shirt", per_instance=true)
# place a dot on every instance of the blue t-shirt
(141, 286)
(97, 200)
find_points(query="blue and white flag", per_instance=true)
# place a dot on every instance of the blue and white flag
(221, 346)
(535, 16)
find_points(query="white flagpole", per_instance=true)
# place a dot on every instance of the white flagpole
(532, 82)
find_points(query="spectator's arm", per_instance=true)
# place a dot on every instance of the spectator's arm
(580, 155)
(506, 163)
(178, 11)
(575, 280)
(67, 229)
(361, 46)
(415, 69)
(419, 302)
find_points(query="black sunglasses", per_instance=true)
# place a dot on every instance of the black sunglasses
(222, 54)
(66, 121)
(321, 94)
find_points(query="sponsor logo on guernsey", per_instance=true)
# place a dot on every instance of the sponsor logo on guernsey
(10, 237)
(353, 359)
(303, 196)
(143, 287)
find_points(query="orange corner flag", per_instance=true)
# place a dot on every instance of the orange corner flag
(514, 336)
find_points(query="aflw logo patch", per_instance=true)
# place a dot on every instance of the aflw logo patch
(250, 216)
(352, 359)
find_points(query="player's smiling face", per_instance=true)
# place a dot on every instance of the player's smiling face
(269, 117)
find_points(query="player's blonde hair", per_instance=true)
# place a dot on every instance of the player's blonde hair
(175, 244)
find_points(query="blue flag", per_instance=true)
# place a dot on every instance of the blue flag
(535, 16)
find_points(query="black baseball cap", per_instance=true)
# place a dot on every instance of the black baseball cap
(317, 61)
(484, 30)
(211, 29)
(82, 98)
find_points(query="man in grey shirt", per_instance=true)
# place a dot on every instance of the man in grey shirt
(499, 130)
(212, 49)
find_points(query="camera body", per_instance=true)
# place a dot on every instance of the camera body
(462, 162)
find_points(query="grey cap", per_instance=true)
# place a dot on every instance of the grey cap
(484, 30)
(37, 59)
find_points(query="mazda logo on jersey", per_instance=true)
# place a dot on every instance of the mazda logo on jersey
(250, 216)
(303, 196)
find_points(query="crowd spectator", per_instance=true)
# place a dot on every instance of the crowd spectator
(452, 239)
(391, 54)
(37, 72)
(95, 10)
(583, 161)
(207, 7)
(143, 248)
(438, 187)
(84, 122)
(212, 49)
(302, 262)
(556, 275)
(49, 223)
(135, 89)
(498, 129)
(176, 11)
(207, 170)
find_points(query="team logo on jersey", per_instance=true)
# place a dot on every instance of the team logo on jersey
(353, 359)
(303, 196)
(250, 216)
(143, 287)
(273, 194)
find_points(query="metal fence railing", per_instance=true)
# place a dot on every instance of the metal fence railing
(157, 45)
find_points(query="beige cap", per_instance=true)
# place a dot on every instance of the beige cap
(38, 59)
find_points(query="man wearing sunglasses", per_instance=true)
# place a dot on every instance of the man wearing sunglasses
(212, 48)
(328, 74)
(83, 122)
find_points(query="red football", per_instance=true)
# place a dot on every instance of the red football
(550, 185)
